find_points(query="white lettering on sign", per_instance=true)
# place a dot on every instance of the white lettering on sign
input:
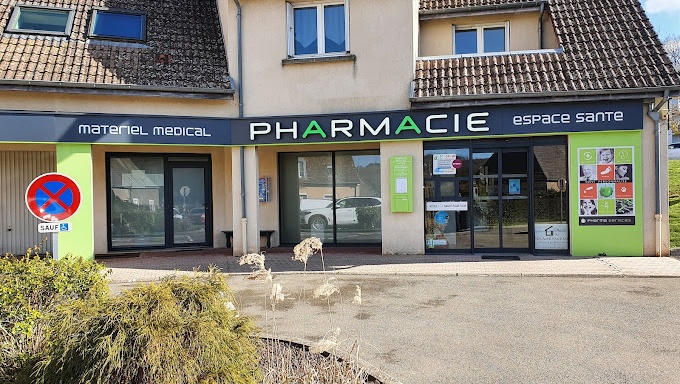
(473, 122)
(180, 131)
(138, 130)
(565, 118)
(95, 129)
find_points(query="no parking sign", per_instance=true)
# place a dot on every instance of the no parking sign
(53, 197)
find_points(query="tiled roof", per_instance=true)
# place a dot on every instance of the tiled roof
(429, 5)
(608, 45)
(187, 30)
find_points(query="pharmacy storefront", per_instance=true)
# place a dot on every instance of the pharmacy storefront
(554, 179)
(542, 179)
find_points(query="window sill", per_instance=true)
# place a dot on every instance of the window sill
(318, 59)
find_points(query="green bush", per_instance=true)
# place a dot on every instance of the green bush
(180, 330)
(30, 288)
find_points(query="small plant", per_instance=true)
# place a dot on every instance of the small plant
(182, 330)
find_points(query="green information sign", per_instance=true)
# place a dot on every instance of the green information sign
(401, 183)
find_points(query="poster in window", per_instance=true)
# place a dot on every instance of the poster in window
(444, 164)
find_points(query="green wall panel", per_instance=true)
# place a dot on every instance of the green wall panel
(605, 239)
(75, 161)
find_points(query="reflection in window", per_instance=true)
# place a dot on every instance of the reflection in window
(125, 25)
(41, 20)
(137, 201)
(477, 40)
(338, 201)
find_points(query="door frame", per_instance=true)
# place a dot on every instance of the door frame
(498, 145)
(170, 165)
(174, 158)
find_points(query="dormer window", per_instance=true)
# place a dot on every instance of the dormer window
(118, 25)
(475, 40)
(41, 20)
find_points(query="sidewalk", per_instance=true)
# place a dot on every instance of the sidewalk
(149, 268)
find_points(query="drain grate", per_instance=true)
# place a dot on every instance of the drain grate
(500, 257)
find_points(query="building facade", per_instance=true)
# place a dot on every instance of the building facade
(420, 127)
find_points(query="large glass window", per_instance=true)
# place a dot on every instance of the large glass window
(551, 198)
(126, 25)
(481, 39)
(137, 216)
(336, 198)
(159, 201)
(496, 195)
(318, 29)
(43, 20)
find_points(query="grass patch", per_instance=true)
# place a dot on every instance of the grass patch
(674, 201)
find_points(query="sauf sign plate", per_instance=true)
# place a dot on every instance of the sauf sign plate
(54, 227)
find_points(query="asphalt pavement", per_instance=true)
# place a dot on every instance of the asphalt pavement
(464, 319)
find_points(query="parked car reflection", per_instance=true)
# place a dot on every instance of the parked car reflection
(349, 211)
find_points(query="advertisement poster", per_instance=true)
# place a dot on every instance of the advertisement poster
(606, 189)
(444, 164)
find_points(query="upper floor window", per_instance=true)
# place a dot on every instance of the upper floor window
(317, 28)
(118, 24)
(480, 39)
(42, 20)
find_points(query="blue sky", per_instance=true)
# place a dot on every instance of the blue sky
(664, 15)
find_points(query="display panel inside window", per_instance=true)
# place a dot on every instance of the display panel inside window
(118, 25)
(41, 20)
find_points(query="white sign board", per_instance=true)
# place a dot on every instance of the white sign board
(433, 206)
(551, 236)
(442, 164)
(54, 227)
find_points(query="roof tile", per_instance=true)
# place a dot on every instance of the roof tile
(187, 29)
(606, 46)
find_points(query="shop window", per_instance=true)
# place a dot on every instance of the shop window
(118, 25)
(480, 39)
(342, 202)
(41, 20)
(317, 29)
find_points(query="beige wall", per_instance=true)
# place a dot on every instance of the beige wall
(143, 105)
(403, 233)
(221, 187)
(436, 36)
(381, 37)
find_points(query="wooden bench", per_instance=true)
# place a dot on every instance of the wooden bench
(268, 233)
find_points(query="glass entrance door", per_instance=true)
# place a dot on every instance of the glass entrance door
(501, 199)
(191, 216)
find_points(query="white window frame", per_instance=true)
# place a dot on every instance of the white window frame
(320, 27)
(17, 12)
(480, 38)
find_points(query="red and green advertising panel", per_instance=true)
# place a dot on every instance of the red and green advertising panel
(606, 213)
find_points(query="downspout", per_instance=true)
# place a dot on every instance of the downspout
(656, 116)
(244, 216)
(540, 27)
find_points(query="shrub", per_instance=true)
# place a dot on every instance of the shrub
(30, 288)
(180, 330)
